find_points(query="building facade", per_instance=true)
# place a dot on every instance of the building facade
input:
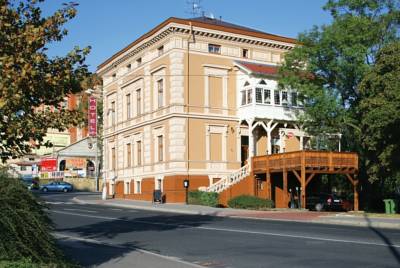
(194, 99)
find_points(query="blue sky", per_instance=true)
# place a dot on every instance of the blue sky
(110, 25)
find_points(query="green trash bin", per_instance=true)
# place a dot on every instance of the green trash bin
(390, 206)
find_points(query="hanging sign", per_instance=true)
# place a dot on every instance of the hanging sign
(92, 116)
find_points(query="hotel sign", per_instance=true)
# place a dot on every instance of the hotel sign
(92, 117)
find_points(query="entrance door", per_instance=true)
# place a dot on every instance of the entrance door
(244, 150)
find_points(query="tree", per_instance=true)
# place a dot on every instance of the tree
(380, 118)
(330, 62)
(32, 85)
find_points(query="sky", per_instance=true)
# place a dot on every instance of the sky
(110, 25)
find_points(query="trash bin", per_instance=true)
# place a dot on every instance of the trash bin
(390, 206)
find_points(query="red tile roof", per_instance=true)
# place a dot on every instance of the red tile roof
(262, 69)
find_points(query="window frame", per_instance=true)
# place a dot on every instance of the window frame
(138, 101)
(160, 93)
(214, 48)
(160, 148)
(128, 155)
(128, 106)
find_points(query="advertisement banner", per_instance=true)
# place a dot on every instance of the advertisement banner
(48, 164)
(92, 117)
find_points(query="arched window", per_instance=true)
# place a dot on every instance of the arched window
(246, 94)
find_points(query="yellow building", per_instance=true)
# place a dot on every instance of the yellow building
(194, 99)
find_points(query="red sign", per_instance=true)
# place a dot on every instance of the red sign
(92, 117)
(48, 164)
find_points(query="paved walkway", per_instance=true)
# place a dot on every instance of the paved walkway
(281, 214)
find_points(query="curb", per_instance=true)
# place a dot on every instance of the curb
(219, 214)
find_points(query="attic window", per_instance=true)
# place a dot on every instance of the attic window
(160, 50)
(128, 66)
(245, 53)
(139, 61)
(114, 75)
(246, 84)
(216, 49)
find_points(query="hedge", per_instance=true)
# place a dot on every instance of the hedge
(203, 198)
(250, 202)
(25, 228)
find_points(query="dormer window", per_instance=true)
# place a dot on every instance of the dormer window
(215, 49)
(160, 50)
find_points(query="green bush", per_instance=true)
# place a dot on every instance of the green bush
(203, 198)
(25, 228)
(250, 202)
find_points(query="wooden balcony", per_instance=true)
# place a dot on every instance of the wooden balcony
(311, 161)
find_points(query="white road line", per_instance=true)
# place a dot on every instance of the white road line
(83, 210)
(98, 242)
(238, 231)
(116, 209)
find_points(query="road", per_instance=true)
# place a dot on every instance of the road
(96, 235)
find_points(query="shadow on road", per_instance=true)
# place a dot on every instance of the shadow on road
(385, 239)
(87, 253)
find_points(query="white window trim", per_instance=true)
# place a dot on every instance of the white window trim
(219, 73)
(136, 190)
(159, 131)
(217, 129)
(156, 179)
(158, 75)
(137, 137)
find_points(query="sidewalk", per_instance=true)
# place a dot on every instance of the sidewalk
(340, 218)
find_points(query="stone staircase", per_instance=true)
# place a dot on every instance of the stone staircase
(232, 179)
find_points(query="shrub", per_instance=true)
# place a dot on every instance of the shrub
(203, 198)
(25, 227)
(250, 202)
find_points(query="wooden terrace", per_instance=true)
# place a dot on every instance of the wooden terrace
(305, 165)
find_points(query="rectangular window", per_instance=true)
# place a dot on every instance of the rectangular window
(113, 160)
(284, 98)
(249, 96)
(128, 155)
(294, 98)
(113, 113)
(128, 106)
(160, 148)
(160, 50)
(159, 184)
(277, 99)
(138, 102)
(216, 49)
(259, 95)
(129, 66)
(127, 188)
(23, 168)
(243, 93)
(267, 96)
(114, 76)
(139, 61)
(139, 153)
(245, 53)
(138, 189)
(160, 90)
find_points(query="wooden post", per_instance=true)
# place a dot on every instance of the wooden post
(303, 179)
(268, 175)
(285, 191)
(355, 186)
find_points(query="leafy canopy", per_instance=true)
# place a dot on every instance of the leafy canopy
(32, 85)
(380, 116)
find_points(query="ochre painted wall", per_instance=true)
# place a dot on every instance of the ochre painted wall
(174, 190)
(244, 187)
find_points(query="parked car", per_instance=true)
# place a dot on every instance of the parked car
(327, 202)
(57, 186)
(30, 183)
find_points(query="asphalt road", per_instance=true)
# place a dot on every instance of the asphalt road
(96, 235)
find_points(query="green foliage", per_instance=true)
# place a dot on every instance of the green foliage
(250, 202)
(32, 85)
(203, 198)
(24, 263)
(329, 65)
(380, 117)
(25, 227)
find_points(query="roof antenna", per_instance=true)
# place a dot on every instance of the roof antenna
(194, 8)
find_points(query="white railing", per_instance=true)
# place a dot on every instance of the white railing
(232, 179)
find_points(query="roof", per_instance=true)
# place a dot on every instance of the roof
(80, 148)
(204, 22)
(259, 69)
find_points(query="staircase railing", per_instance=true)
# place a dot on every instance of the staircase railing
(232, 179)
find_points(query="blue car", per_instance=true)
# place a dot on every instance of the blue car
(57, 186)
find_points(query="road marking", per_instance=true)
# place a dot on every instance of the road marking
(98, 242)
(83, 210)
(116, 209)
(58, 203)
(237, 231)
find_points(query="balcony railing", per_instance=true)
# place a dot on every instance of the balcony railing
(311, 160)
